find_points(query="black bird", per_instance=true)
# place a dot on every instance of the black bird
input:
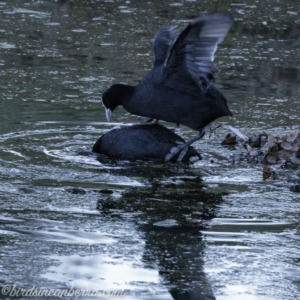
(149, 142)
(179, 88)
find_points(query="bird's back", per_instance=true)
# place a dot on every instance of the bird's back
(191, 108)
(140, 142)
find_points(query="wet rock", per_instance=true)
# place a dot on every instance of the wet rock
(255, 140)
(107, 192)
(230, 139)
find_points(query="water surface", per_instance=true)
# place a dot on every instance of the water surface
(211, 230)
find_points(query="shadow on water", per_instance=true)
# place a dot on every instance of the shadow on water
(171, 215)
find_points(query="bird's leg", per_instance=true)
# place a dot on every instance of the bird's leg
(147, 120)
(183, 148)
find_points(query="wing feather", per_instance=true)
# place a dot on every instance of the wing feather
(163, 40)
(190, 57)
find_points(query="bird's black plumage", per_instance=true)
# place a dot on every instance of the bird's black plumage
(162, 42)
(179, 88)
(150, 142)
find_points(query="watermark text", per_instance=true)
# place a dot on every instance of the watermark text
(13, 291)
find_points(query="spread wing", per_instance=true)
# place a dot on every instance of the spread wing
(188, 64)
(163, 40)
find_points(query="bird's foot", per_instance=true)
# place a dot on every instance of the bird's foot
(182, 148)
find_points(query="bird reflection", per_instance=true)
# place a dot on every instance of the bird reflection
(171, 213)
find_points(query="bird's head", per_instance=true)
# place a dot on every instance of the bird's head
(111, 100)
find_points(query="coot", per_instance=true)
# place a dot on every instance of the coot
(148, 142)
(179, 88)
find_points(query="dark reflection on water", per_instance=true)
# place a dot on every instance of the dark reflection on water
(68, 217)
(277, 81)
(171, 217)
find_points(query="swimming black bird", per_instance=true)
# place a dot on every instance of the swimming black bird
(148, 142)
(180, 87)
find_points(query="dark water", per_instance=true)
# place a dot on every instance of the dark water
(214, 229)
